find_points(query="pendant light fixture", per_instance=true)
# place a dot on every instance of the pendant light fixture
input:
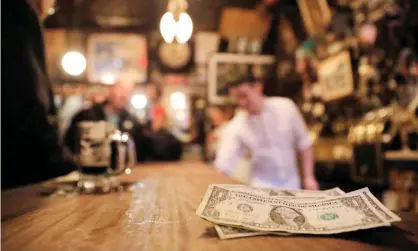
(176, 24)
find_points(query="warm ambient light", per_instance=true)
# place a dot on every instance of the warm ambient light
(184, 28)
(176, 23)
(108, 79)
(168, 27)
(178, 100)
(74, 63)
(139, 101)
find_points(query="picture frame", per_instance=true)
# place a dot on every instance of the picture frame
(335, 76)
(316, 16)
(224, 67)
(114, 56)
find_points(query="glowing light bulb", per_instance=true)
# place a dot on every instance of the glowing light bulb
(108, 78)
(74, 63)
(184, 28)
(180, 30)
(178, 100)
(168, 27)
(139, 101)
(181, 115)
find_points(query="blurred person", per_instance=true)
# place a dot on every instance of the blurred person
(113, 110)
(76, 102)
(154, 106)
(31, 150)
(72, 104)
(219, 117)
(163, 145)
(230, 111)
(98, 95)
(272, 130)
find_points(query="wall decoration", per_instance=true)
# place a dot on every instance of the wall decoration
(225, 67)
(316, 15)
(175, 57)
(117, 56)
(336, 76)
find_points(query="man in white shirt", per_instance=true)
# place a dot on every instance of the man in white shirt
(273, 131)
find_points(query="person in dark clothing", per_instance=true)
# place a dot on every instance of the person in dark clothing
(31, 151)
(164, 146)
(113, 111)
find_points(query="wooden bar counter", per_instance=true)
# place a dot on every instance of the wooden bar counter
(158, 214)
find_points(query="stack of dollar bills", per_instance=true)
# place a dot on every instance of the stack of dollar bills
(243, 211)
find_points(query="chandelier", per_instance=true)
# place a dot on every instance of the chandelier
(176, 23)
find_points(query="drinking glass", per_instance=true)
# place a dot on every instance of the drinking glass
(102, 154)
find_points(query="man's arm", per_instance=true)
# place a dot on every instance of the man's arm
(309, 180)
(304, 146)
(229, 150)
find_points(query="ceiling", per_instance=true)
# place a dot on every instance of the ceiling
(143, 15)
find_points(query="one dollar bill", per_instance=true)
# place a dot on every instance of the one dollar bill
(298, 194)
(256, 212)
(383, 211)
(227, 232)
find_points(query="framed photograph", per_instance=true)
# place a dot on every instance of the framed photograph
(115, 56)
(316, 15)
(336, 77)
(226, 67)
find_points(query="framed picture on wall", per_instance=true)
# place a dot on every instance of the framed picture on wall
(336, 76)
(226, 67)
(113, 56)
(316, 15)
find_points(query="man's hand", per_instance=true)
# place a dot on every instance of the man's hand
(310, 183)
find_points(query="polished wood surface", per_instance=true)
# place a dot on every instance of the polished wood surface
(158, 214)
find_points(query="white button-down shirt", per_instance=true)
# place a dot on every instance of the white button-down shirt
(272, 138)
